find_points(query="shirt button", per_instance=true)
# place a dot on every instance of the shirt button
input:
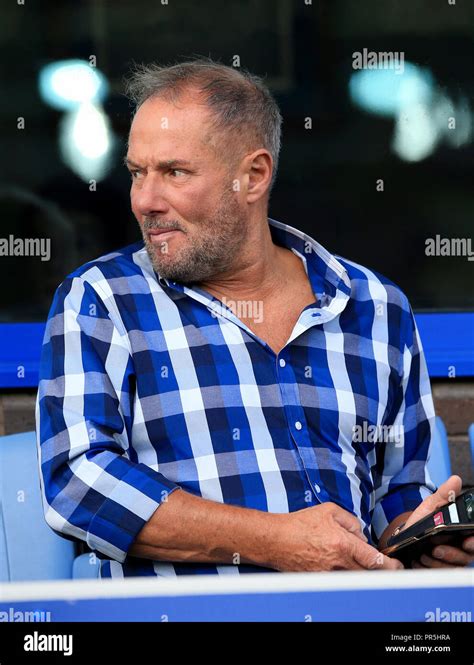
(282, 362)
(298, 425)
(316, 487)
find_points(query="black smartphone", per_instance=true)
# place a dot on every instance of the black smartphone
(450, 524)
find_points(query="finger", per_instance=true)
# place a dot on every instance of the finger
(445, 493)
(429, 562)
(468, 544)
(390, 564)
(452, 555)
(448, 491)
(349, 522)
(371, 559)
(349, 564)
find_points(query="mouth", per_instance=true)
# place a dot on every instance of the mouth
(160, 235)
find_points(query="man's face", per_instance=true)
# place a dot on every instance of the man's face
(179, 183)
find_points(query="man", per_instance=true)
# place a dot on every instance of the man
(203, 392)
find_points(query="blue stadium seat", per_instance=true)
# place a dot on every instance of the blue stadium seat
(29, 548)
(439, 464)
(4, 572)
(85, 566)
(471, 442)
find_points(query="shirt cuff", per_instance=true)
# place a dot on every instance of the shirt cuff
(126, 509)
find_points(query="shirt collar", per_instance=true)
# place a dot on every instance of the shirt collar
(328, 277)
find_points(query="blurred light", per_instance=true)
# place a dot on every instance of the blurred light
(85, 142)
(445, 112)
(387, 92)
(421, 127)
(66, 84)
(416, 133)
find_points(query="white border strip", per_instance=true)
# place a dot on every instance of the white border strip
(265, 583)
(453, 513)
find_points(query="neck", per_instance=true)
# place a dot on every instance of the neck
(258, 271)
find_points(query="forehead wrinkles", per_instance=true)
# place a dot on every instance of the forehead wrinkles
(159, 130)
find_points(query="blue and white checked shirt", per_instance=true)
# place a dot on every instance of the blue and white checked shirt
(147, 385)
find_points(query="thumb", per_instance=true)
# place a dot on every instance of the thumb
(449, 490)
(446, 493)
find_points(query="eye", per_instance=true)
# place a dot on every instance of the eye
(134, 174)
(178, 171)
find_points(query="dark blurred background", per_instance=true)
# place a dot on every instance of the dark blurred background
(364, 127)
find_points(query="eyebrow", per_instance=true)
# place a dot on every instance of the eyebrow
(162, 164)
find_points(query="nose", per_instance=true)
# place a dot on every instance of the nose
(147, 199)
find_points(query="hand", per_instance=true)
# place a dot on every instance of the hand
(442, 556)
(325, 537)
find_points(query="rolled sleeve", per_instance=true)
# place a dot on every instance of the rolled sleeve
(123, 513)
(92, 490)
(401, 479)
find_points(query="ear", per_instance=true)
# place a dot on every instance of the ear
(258, 169)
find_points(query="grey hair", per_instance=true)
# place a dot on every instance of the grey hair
(241, 105)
